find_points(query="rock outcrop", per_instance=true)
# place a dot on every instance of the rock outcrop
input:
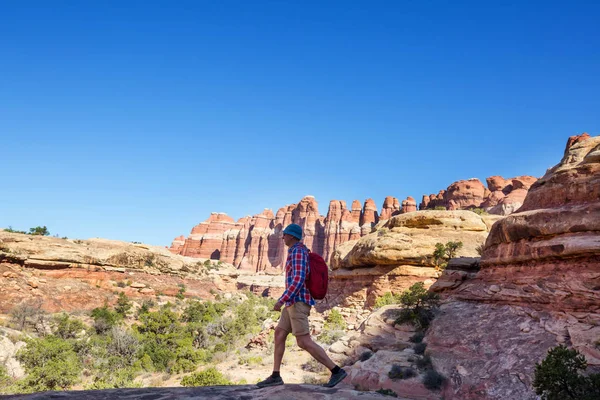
(236, 392)
(538, 286)
(398, 254)
(255, 243)
(391, 206)
(66, 275)
(501, 197)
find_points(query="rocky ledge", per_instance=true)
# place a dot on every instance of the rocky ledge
(242, 392)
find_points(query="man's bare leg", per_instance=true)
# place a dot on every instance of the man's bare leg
(305, 342)
(280, 337)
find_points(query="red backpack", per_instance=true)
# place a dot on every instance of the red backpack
(318, 278)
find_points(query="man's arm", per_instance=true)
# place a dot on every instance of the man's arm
(299, 263)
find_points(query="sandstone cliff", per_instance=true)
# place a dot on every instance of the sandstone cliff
(398, 253)
(254, 243)
(501, 197)
(75, 275)
(538, 286)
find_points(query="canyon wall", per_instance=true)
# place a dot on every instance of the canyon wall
(538, 286)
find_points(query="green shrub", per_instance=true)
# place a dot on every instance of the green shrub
(330, 337)
(444, 252)
(114, 379)
(559, 376)
(11, 230)
(387, 392)
(39, 230)
(366, 355)
(400, 372)
(208, 377)
(433, 380)
(387, 299)
(419, 348)
(440, 208)
(417, 337)
(479, 211)
(104, 319)
(419, 305)
(123, 305)
(5, 381)
(335, 320)
(250, 360)
(50, 363)
(424, 362)
(67, 328)
(479, 249)
(203, 312)
(181, 291)
(29, 315)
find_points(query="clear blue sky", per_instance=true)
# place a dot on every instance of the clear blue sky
(133, 120)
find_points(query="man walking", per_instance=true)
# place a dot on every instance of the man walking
(294, 317)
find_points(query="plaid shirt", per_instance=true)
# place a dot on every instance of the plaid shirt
(296, 270)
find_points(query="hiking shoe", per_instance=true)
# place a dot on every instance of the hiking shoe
(270, 381)
(336, 378)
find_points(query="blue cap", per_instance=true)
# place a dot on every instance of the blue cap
(295, 230)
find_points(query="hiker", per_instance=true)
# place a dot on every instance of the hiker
(294, 317)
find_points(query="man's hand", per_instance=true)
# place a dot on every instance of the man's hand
(277, 306)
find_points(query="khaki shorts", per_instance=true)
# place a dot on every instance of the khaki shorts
(294, 319)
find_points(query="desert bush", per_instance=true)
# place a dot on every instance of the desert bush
(433, 380)
(123, 344)
(479, 211)
(400, 372)
(559, 376)
(419, 348)
(11, 230)
(387, 299)
(444, 252)
(114, 379)
(30, 316)
(479, 249)
(203, 312)
(39, 230)
(424, 362)
(440, 208)
(6, 381)
(417, 337)
(250, 360)
(123, 305)
(365, 355)
(333, 328)
(335, 320)
(208, 377)
(387, 392)
(419, 305)
(330, 337)
(104, 319)
(67, 328)
(50, 363)
(145, 307)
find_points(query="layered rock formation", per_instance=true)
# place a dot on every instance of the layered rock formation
(538, 286)
(398, 254)
(255, 243)
(501, 197)
(65, 274)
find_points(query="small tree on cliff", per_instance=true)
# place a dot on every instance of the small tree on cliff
(419, 305)
(444, 252)
(39, 231)
(558, 376)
